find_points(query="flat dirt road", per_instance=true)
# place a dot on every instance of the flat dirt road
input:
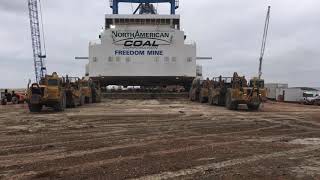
(160, 139)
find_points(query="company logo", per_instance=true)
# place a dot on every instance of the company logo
(141, 39)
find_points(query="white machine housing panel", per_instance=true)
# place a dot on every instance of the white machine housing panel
(142, 50)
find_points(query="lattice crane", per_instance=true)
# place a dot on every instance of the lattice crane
(264, 41)
(39, 54)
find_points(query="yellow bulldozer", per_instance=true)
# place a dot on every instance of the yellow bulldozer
(49, 92)
(232, 91)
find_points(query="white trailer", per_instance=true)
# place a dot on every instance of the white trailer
(273, 89)
(296, 94)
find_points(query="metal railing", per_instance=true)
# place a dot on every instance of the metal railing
(176, 3)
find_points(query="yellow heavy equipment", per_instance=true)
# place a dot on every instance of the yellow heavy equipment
(199, 90)
(232, 91)
(73, 88)
(86, 90)
(49, 92)
(204, 91)
(195, 90)
(96, 91)
(91, 90)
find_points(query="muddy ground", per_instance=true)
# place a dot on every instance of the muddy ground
(160, 139)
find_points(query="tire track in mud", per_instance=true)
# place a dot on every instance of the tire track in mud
(30, 157)
(144, 134)
(128, 138)
(100, 134)
(97, 129)
(155, 139)
(122, 139)
(219, 165)
(95, 164)
(111, 123)
(141, 144)
(298, 122)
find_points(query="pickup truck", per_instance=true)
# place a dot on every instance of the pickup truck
(312, 100)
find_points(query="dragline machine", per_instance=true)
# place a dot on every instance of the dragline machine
(144, 48)
(39, 54)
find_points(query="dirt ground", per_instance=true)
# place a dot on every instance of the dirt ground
(160, 139)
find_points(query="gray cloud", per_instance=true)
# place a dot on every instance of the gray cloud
(228, 30)
(16, 6)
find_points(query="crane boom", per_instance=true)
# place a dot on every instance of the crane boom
(264, 41)
(38, 56)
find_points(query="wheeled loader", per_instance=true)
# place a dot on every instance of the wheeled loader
(74, 92)
(233, 91)
(49, 92)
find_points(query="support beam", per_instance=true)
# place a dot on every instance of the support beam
(115, 4)
(81, 58)
(204, 58)
(173, 7)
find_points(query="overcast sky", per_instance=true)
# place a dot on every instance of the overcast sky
(228, 30)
